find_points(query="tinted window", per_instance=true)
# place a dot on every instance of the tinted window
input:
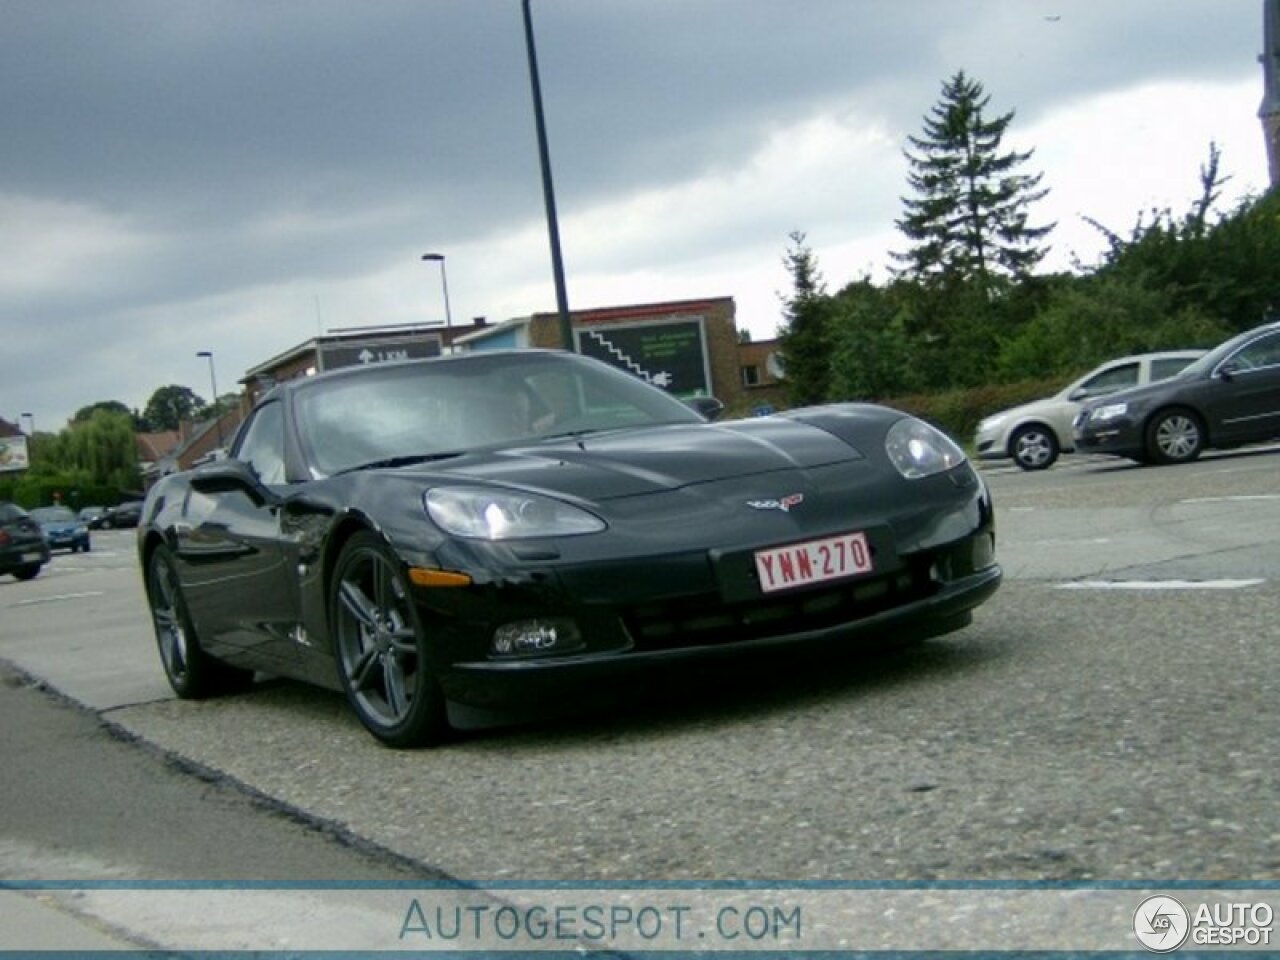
(1166, 367)
(1263, 352)
(263, 444)
(1112, 379)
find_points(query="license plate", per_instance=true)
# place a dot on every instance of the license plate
(815, 561)
(32, 557)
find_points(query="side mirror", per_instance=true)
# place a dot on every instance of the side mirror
(709, 407)
(231, 476)
(1228, 371)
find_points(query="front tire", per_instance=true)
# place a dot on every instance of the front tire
(382, 649)
(1034, 447)
(1174, 436)
(193, 674)
(28, 572)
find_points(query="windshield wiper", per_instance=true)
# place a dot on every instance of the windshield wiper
(390, 463)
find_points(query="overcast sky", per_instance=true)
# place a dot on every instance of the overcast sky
(186, 175)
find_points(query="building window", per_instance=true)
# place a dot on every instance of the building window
(751, 376)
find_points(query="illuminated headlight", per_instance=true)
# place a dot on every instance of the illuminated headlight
(1109, 411)
(484, 514)
(533, 637)
(919, 450)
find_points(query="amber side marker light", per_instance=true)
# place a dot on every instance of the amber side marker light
(423, 577)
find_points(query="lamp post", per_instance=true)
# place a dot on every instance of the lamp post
(213, 385)
(548, 191)
(31, 423)
(444, 283)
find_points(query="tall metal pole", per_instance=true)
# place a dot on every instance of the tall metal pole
(444, 283)
(548, 192)
(213, 385)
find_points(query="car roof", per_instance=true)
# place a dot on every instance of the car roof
(1155, 354)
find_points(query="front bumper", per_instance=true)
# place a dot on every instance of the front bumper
(992, 444)
(1121, 437)
(926, 596)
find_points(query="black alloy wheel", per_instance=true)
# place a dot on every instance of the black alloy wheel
(381, 647)
(193, 674)
(1174, 436)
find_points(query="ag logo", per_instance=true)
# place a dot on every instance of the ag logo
(784, 504)
(1161, 924)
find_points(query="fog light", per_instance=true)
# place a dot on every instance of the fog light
(535, 637)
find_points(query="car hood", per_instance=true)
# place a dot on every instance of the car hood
(1049, 406)
(628, 463)
(1133, 394)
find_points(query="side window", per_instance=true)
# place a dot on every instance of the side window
(1263, 352)
(263, 444)
(1166, 367)
(1112, 379)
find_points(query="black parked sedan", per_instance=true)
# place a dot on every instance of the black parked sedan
(23, 548)
(445, 539)
(1227, 398)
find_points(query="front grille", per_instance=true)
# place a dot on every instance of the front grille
(706, 619)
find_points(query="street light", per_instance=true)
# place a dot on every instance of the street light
(444, 282)
(548, 192)
(213, 385)
(31, 430)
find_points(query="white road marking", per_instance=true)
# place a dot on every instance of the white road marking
(1159, 584)
(58, 598)
(1242, 498)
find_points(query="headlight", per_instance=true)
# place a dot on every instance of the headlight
(991, 422)
(1109, 411)
(485, 514)
(919, 450)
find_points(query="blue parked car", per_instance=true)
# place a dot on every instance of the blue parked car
(62, 528)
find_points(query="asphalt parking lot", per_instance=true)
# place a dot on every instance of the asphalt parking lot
(1110, 715)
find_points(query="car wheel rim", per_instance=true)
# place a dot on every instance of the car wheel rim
(1177, 437)
(166, 612)
(1032, 449)
(377, 643)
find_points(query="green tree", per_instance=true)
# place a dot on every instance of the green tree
(111, 406)
(170, 405)
(873, 357)
(967, 220)
(1098, 318)
(805, 335)
(99, 451)
(1225, 266)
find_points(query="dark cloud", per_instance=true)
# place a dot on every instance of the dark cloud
(223, 148)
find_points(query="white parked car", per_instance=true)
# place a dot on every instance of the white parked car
(1035, 433)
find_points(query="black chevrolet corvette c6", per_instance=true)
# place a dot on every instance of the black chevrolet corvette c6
(442, 540)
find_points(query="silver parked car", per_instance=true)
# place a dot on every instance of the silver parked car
(1033, 434)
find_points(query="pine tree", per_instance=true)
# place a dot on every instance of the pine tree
(967, 221)
(805, 338)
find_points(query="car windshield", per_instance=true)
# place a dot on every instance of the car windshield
(446, 407)
(52, 515)
(1206, 364)
(10, 512)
